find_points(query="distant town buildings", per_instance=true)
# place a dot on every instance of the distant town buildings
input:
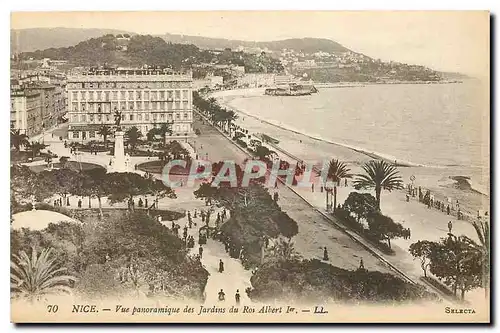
(145, 99)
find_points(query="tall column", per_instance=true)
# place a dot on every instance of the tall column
(119, 155)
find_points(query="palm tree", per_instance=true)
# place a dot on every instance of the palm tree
(336, 172)
(379, 175)
(39, 275)
(164, 129)
(18, 139)
(483, 250)
(36, 147)
(105, 132)
(133, 135)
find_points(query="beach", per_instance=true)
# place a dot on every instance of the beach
(312, 148)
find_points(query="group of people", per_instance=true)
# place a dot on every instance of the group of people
(406, 233)
(59, 202)
(431, 202)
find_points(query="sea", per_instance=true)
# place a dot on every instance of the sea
(442, 125)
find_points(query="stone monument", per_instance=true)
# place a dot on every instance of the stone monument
(118, 164)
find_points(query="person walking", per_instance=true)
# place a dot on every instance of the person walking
(448, 210)
(221, 266)
(450, 226)
(222, 295)
(325, 254)
(237, 297)
(200, 251)
(312, 187)
(79, 203)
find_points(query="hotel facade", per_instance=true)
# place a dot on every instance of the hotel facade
(145, 99)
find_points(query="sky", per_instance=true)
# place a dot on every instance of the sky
(455, 41)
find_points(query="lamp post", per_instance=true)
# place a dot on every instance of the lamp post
(329, 190)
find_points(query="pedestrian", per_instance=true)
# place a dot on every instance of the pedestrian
(67, 201)
(222, 295)
(141, 203)
(312, 187)
(237, 296)
(345, 183)
(200, 251)
(325, 254)
(79, 203)
(361, 265)
(459, 214)
(55, 203)
(407, 198)
(194, 213)
(409, 233)
(450, 226)
(448, 210)
(221, 266)
(322, 188)
(185, 233)
(146, 202)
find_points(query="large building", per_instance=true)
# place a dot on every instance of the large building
(26, 111)
(145, 98)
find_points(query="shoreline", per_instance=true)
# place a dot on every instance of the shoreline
(438, 179)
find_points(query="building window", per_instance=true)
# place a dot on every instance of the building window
(185, 105)
(162, 116)
(91, 118)
(91, 95)
(75, 106)
(169, 116)
(131, 117)
(107, 96)
(130, 95)
(123, 117)
(74, 95)
(82, 106)
(131, 105)
(146, 116)
(185, 94)
(162, 95)
(122, 93)
(99, 117)
(177, 94)
(185, 115)
(107, 117)
(177, 105)
(177, 116)
(146, 105)
(154, 116)
(74, 118)
(138, 95)
(139, 117)
(76, 134)
(115, 95)
(91, 134)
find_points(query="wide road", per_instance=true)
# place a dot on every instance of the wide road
(315, 231)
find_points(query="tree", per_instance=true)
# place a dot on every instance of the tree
(35, 148)
(379, 175)
(133, 136)
(450, 261)
(282, 250)
(63, 160)
(125, 186)
(164, 129)
(93, 184)
(105, 131)
(360, 204)
(39, 275)
(18, 139)
(262, 152)
(383, 227)
(423, 250)
(336, 172)
(482, 229)
(151, 134)
(62, 181)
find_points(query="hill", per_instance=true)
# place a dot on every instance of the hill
(28, 40)
(140, 50)
(307, 45)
